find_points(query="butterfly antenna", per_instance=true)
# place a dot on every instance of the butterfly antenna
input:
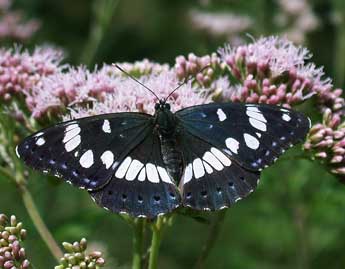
(185, 81)
(137, 81)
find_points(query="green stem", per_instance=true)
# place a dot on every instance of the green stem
(39, 224)
(157, 229)
(211, 239)
(138, 243)
(103, 14)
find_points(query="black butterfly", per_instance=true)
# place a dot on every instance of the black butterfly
(205, 157)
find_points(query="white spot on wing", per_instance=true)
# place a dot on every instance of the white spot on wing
(121, 171)
(164, 175)
(70, 127)
(253, 108)
(40, 141)
(256, 115)
(198, 168)
(38, 134)
(71, 133)
(208, 168)
(221, 115)
(221, 156)
(134, 169)
(232, 144)
(213, 161)
(142, 175)
(188, 173)
(73, 143)
(251, 141)
(107, 158)
(286, 117)
(86, 160)
(17, 153)
(106, 127)
(258, 124)
(152, 174)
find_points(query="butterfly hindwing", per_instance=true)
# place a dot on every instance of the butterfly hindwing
(211, 180)
(85, 151)
(252, 135)
(141, 185)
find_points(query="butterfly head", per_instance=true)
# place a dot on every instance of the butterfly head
(162, 106)
(165, 119)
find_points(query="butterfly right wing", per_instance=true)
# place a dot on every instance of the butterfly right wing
(86, 152)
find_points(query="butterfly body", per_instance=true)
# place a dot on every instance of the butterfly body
(205, 157)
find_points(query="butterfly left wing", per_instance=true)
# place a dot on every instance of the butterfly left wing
(253, 135)
(141, 185)
(225, 146)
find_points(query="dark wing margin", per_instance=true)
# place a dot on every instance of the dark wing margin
(141, 186)
(85, 152)
(253, 135)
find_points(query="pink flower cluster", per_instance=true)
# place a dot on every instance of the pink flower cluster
(326, 141)
(129, 96)
(221, 24)
(12, 25)
(273, 70)
(21, 71)
(139, 68)
(107, 90)
(12, 254)
(297, 18)
(192, 65)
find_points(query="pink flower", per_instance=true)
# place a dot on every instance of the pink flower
(138, 68)
(326, 141)
(12, 27)
(4, 5)
(221, 24)
(20, 70)
(191, 66)
(273, 70)
(129, 96)
(69, 87)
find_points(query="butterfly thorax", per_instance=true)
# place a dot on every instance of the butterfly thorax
(166, 123)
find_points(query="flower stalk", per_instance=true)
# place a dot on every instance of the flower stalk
(39, 223)
(157, 231)
(212, 237)
(139, 227)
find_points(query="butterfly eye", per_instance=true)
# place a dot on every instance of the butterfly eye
(157, 106)
(167, 106)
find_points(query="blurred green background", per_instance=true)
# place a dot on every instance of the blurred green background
(296, 218)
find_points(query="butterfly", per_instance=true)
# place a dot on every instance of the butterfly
(206, 157)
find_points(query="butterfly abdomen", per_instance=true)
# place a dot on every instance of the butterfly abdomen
(172, 157)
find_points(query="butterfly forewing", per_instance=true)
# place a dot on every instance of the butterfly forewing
(141, 185)
(87, 151)
(251, 135)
